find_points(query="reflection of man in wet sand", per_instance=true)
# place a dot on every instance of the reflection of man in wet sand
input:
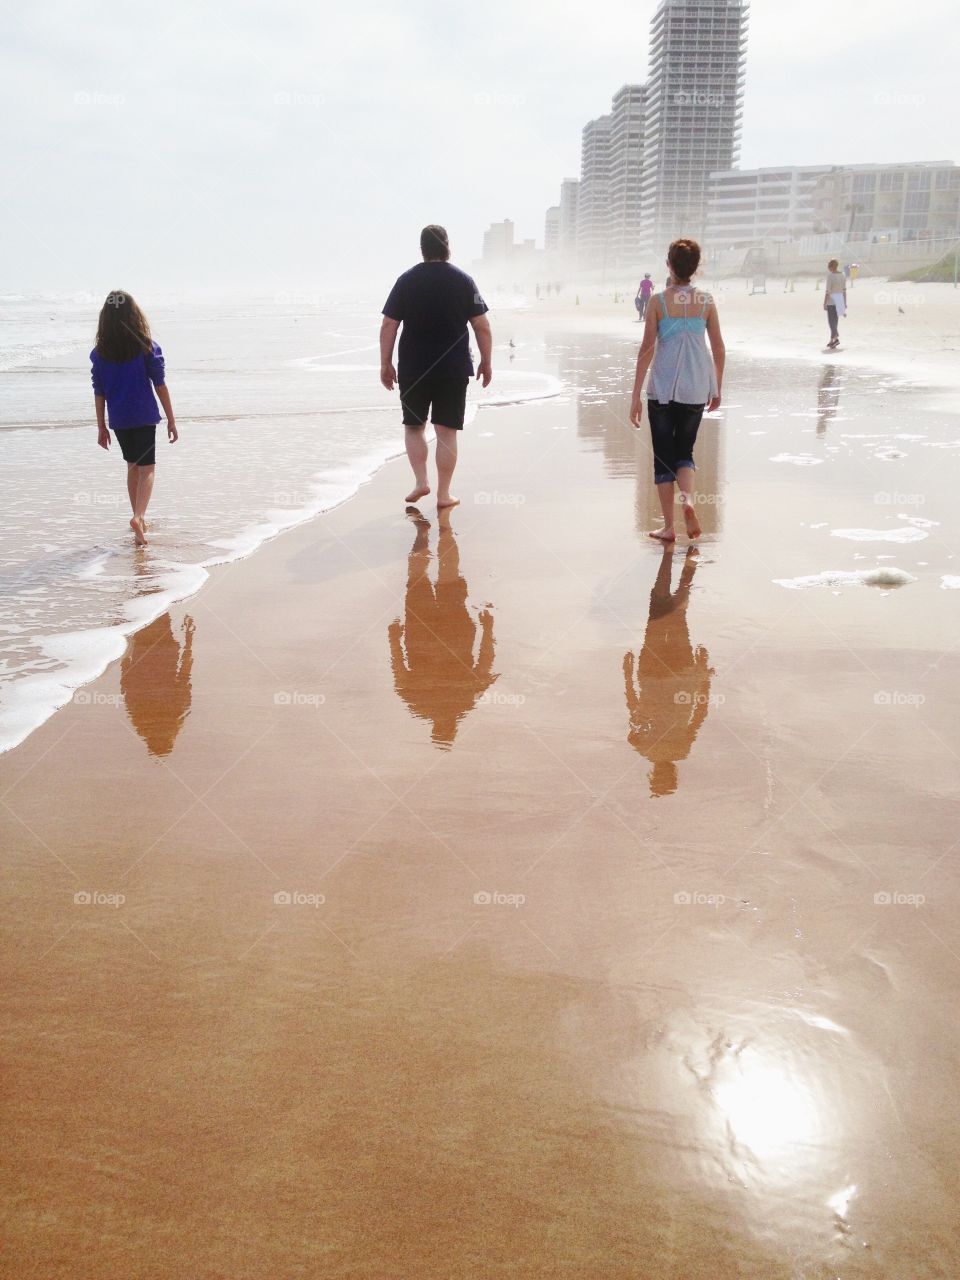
(155, 682)
(432, 650)
(667, 695)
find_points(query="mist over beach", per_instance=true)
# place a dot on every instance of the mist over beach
(478, 641)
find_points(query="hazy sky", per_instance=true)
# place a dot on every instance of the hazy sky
(298, 144)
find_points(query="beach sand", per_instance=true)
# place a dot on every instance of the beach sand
(617, 929)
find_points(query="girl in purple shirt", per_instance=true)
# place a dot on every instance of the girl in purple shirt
(127, 367)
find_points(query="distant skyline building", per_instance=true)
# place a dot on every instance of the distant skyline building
(503, 253)
(624, 224)
(694, 97)
(593, 205)
(569, 208)
(498, 241)
(551, 229)
(663, 163)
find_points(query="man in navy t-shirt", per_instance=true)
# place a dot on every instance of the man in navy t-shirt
(434, 301)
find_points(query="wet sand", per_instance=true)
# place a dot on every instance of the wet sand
(503, 896)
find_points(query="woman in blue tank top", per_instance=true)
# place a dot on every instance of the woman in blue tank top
(685, 380)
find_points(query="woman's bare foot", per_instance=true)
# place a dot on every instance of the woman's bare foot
(417, 492)
(136, 524)
(449, 501)
(663, 535)
(691, 521)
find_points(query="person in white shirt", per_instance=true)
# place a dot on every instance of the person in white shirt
(835, 301)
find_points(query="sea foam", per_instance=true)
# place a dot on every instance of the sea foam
(903, 534)
(887, 576)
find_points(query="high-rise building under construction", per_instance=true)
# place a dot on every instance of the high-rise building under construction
(693, 109)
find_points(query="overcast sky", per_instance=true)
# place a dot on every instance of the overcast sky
(303, 144)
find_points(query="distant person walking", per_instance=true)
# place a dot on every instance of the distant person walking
(686, 378)
(643, 296)
(835, 301)
(434, 301)
(127, 367)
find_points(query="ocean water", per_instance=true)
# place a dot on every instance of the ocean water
(281, 415)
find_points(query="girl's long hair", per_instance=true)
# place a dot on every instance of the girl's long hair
(122, 330)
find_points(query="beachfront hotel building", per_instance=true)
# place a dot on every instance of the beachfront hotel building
(890, 203)
(774, 203)
(694, 104)
(883, 203)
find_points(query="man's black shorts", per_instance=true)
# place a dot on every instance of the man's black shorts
(448, 396)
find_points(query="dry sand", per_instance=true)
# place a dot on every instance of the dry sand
(617, 921)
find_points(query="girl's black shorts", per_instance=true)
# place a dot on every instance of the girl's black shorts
(138, 444)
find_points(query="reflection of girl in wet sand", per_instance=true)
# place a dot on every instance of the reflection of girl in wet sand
(155, 682)
(686, 379)
(432, 650)
(668, 689)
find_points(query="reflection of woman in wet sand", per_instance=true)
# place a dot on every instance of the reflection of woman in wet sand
(155, 682)
(828, 396)
(432, 650)
(668, 692)
(685, 379)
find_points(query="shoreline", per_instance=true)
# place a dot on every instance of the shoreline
(22, 714)
(118, 636)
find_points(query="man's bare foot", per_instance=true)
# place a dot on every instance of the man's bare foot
(450, 501)
(136, 524)
(691, 521)
(417, 492)
(663, 535)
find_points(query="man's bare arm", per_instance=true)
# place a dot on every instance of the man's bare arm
(388, 338)
(484, 336)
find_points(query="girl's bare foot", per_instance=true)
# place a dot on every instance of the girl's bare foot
(136, 524)
(417, 492)
(447, 502)
(663, 535)
(691, 521)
